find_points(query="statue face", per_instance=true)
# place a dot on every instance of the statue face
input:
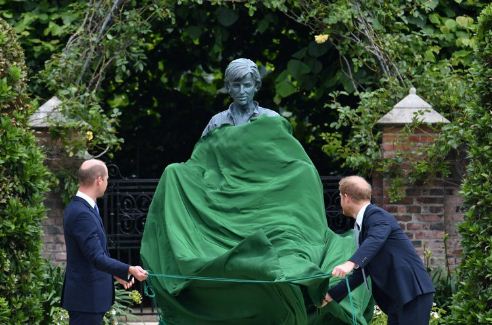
(243, 90)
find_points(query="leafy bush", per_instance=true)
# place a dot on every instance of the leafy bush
(23, 182)
(121, 310)
(53, 277)
(472, 304)
(435, 318)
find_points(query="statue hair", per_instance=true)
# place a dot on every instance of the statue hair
(238, 68)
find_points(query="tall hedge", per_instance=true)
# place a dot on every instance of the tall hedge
(23, 182)
(472, 304)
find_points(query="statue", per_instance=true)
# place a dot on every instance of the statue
(242, 82)
(238, 233)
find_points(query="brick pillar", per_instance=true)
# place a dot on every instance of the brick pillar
(429, 210)
(56, 160)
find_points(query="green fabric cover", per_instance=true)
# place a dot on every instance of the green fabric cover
(248, 204)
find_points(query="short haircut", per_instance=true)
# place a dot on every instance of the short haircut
(87, 176)
(238, 69)
(356, 187)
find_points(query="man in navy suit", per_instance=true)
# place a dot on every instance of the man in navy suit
(400, 284)
(88, 290)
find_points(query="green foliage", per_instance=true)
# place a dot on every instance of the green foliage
(446, 285)
(23, 182)
(54, 314)
(436, 316)
(4, 310)
(43, 27)
(121, 308)
(110, 37)
(384, 48)
(53, 276)
(472, 304)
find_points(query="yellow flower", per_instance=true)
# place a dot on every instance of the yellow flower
(89, 135)
(321, 38)
(136, 296)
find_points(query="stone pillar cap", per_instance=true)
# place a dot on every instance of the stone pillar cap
(47, 112)
(411, 108)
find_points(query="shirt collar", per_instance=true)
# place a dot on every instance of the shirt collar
(360, 215)
(231, 111)
(87, 198)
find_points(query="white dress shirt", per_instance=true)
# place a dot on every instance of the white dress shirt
(87, 198)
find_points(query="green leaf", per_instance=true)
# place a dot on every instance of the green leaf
(451, 24)
(283, 86)
(297, 68)
(300, 54)
(464, 21)
(194, 32)
(316, 50)
(435, 18)
(429, 56)
(226, 16)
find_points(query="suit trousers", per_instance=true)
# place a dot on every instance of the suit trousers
(415, 312)
(81, 318)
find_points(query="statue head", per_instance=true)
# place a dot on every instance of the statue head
(239, 68)
(241, 73)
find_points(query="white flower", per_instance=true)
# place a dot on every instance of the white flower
(377, 311)
(113, 312)
(321, 38)
(434, 314)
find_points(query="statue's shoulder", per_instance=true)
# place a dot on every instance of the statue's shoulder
(221, 116)
(267, 112)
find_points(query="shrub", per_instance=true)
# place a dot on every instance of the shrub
(23, 182)
(55, 315)
(53, 276)
(472, 304)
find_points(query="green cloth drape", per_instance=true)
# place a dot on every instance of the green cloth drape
(248, 204)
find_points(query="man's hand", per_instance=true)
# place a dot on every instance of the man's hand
(327, 300)
(343, 269)
(139, 273)
(125, 284)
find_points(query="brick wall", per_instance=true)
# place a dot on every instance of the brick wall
(56, 160)
(428, 211)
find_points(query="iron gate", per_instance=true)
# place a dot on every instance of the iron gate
(126, 203)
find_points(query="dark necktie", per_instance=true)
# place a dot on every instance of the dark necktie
(97, 212)
(356, 234)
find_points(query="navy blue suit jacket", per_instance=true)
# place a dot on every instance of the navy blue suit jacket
(389, 258)
(88, 285)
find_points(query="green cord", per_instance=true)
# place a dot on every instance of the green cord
(217, 279)
(148, 291)
(354, 321)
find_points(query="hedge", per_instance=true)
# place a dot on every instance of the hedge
(472, 304)
(23, 183)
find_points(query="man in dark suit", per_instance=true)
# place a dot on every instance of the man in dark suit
(400, 284)
(88, 290)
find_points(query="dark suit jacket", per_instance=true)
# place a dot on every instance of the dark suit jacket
(88, 285)
(389, 258)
